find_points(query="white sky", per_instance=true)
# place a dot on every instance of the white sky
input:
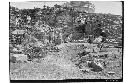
(113, 7)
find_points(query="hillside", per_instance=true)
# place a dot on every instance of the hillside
(63, 42)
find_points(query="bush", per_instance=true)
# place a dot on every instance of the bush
(12, 59)
(35, 52)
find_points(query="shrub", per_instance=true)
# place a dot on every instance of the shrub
(12, 59)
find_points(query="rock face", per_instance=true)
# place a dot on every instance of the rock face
(18, 32)
(20, 57)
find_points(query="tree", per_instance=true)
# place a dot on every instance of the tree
(83, 6)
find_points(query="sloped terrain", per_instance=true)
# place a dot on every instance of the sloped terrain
(63, 43)
(67, 65)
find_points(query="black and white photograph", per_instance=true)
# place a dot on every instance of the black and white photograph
(66, 41)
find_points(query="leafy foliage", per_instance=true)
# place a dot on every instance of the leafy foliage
(45, 22)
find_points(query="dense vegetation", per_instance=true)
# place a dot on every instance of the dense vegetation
(50, 26)
(65, 42)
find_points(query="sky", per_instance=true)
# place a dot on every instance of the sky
(113, 7)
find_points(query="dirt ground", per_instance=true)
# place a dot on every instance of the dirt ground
(65, 64)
